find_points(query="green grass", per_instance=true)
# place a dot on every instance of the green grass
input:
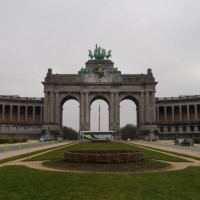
(148, 154)
(27, 154)
(18, 182)
(171, 152)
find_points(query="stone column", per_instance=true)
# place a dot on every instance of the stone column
(141, 108)
(188, 113)
(180, 113)
(41, 111)
(165, 113)
(195, 112)
(33, 113)
(46, 108)
(11, 107)
(82, 111)
(117, 122)
(158, 116)
(87, 111)
(51, 107)
(147, 114)
(56, 108)
(111, 112)
(153, 107)
(173, 113)
(3, 112)
(26, 113)
(18, 113)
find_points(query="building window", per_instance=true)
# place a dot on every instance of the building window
(169, 129)
(184, 128)
(162, 129)
(192, 127)
(199, 128)
(177, 128)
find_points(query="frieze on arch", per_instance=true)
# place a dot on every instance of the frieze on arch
(99, 78)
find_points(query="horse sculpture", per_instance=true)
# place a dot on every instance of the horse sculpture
(90, 54)
(108, 54)
(99, 53)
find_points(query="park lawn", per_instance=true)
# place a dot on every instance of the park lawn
(19, 182)
(148, 154)
(28, 154)
(171, 152)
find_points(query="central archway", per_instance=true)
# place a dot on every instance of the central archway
(99, 115)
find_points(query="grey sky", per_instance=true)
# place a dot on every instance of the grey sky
(39, 34)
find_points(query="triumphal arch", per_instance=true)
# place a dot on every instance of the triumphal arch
(99, 79)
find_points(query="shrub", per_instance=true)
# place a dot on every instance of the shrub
(12, 140)
(196, 140)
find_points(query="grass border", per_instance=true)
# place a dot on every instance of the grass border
(28, 154)
(171, 152)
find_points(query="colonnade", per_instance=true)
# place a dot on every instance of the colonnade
(21, 113)
(178, 113)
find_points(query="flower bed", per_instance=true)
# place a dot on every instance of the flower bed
(103, 156)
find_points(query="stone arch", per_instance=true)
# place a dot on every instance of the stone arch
(136, 99)
(89, 85)
(99, 96)
(66, 97)
(133, 98)
(105, 104)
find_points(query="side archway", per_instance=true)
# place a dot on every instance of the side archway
(69, 112)
(129, 111)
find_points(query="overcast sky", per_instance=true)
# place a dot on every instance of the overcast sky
(39, 34)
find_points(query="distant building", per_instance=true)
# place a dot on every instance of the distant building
(21, 116)
(178, 116)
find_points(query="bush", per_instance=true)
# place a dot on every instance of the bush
(12, 140)
(196, 140)
(128, 131)
(69, 133)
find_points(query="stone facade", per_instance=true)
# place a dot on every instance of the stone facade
(87, 86)
(21, 116)
(177, 116)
